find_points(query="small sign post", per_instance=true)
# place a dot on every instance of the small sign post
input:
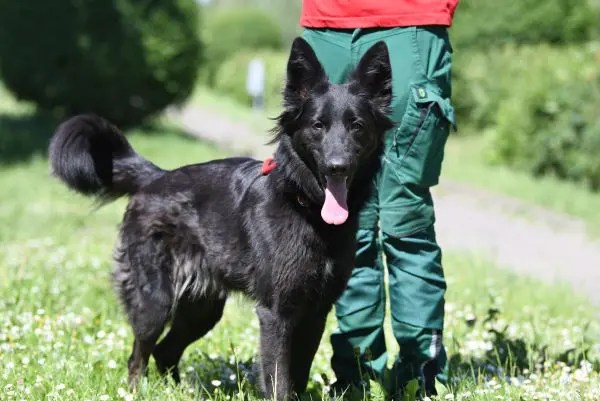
(255, 83)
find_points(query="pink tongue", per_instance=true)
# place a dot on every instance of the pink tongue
(335, 209)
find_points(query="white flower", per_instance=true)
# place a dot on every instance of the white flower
(124, 394)
(104, 397)
(60, 386)
(581, 375)
(112, 364)
(216, 383)
(586, 365)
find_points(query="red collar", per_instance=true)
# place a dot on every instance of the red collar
(268, 165)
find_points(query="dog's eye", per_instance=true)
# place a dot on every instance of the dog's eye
(356, 125)
(318, 125)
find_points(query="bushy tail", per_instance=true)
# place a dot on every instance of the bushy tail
(93, 157)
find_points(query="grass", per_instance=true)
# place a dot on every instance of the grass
(63, 335)
(465, 162)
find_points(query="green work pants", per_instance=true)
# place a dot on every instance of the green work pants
(397, 221)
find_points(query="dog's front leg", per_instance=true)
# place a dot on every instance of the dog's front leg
(275, 349)
(305, 342)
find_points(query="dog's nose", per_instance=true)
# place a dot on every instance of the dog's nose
(337, 167)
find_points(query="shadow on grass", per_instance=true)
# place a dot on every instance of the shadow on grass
(510, 357)
(210, 374)
(237, 379)
(24, 136)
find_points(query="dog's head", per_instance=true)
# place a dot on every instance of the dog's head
(334, 128)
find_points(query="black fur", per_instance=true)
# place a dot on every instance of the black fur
(192, 235)
(91, 156)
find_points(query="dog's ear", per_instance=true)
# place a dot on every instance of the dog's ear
(304, 73)
(373, 75)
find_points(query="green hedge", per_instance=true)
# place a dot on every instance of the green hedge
(231, 76)
(230, 31)
(478, 85)
(549, 122)
(123, 59)
(484, 24)
(538, 105)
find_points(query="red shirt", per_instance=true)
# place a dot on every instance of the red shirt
(376, 13)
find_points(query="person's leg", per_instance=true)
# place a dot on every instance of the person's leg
(421, 64)
(358, 342)
(417, 290)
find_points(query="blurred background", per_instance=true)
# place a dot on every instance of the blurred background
(518, 206)
(525, 77)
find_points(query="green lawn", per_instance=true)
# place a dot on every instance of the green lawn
(465, 161)
(63, 335)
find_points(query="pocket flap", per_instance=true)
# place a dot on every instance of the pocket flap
(423, 93)
(400, 219)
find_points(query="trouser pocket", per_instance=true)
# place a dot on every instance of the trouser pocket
(417, 148)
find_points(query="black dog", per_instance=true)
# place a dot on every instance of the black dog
(286, 238)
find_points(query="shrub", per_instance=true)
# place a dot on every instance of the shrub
(234, 30)
(548, 121)
(478, 85)
(231, 76)
(123, 59)
(485, 24)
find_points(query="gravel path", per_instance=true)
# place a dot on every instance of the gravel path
(516, 235)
